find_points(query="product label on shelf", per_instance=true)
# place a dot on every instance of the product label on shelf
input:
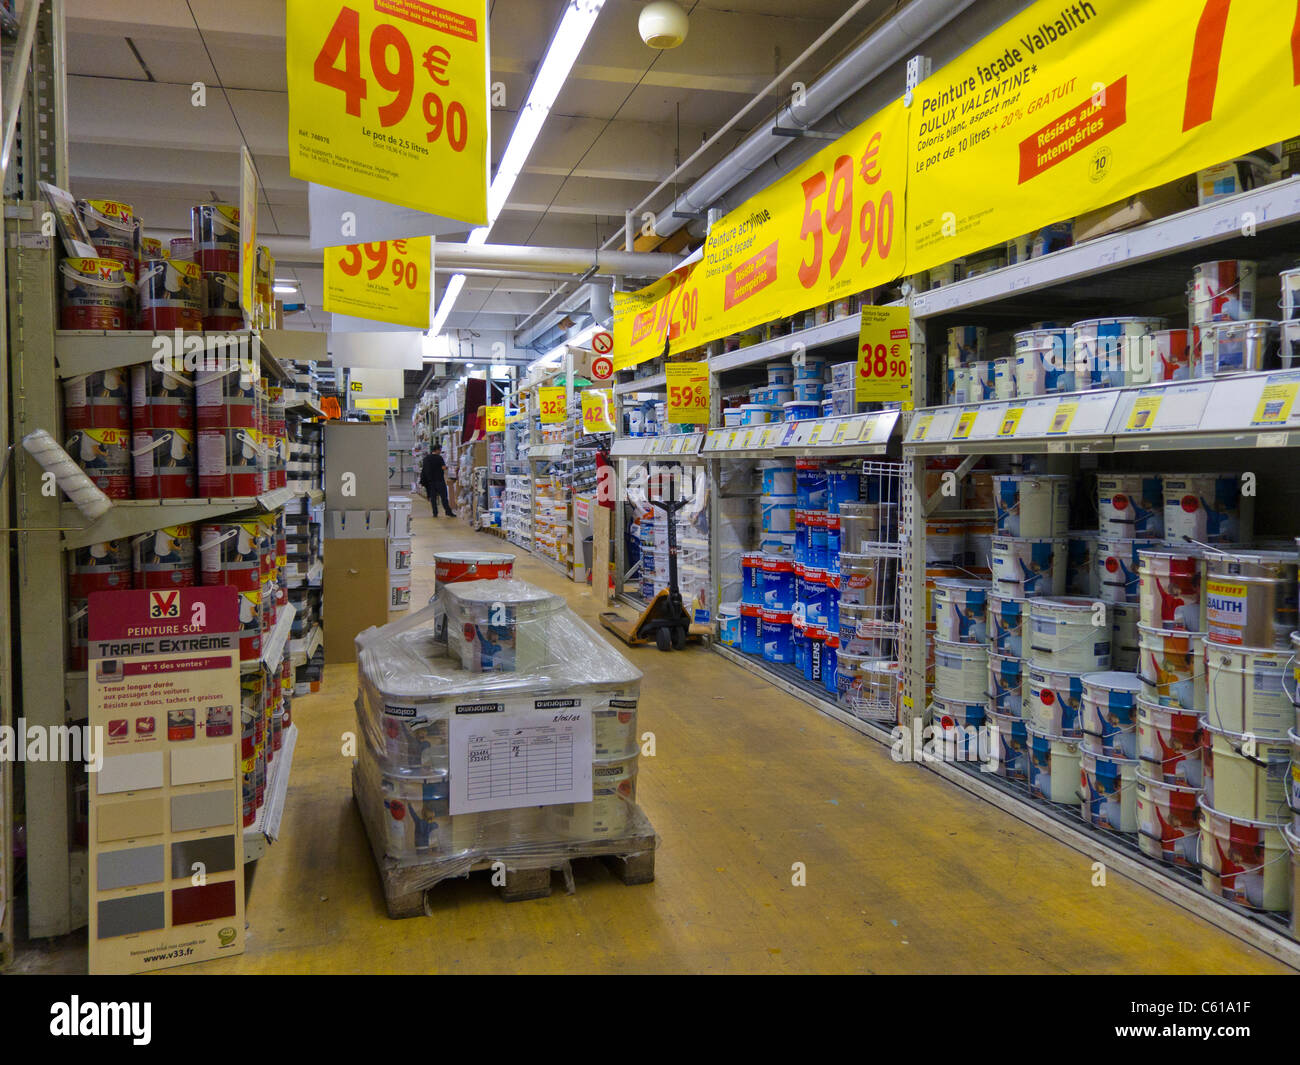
(1276, 402)
(552, 403)
(965, 423)
(688, 393)
(385, 281)
(494, 419)
(1010, 421)
(389, 100)
(1174, 408)
(920, 428)
(505, 761)
(884, 373)
(598, 410)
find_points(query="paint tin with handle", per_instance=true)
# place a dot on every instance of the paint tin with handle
(1032, 506)
(1245, 690)
(1124, 651)
(1168, 820)
(1006, 615)
(961, 671)
(1244, 860)
(1251, 598)
(1205, 508)
(1170, 743)
(1055, 701)
(163, 464)
(1029, 567)
(171, 295)
(1222, 291)
(94, 294)
(105, 456)
(1239, 347)
(1068, 635)
(1110, 712)
(1172, 667)
(1006, 677)
(214, 228)
(111, 227)
(1053, 766)
(165, 558)
(1171, 588)
(1173, 355)
(959, 611)
(1131, 506)
(1247, 776)
(1117, 569)
(1011, 743)
(97, 401)
(1109, 797)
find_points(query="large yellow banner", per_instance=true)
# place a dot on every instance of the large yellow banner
(1073, 106)
(386, 281)
(831, 228)
(389, 99)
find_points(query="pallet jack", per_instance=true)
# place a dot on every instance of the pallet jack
(666, 620)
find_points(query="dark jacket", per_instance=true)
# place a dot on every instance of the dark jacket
(433, 470)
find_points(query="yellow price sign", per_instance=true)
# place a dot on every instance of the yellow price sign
(597, 411)
(554, 409)
(247, 234)
(1275, 404)
(688, 393)
(1062, 419)
(1143, 416)
(1010, 421)
(964, 425)
(922, 426)
(386, 281)
(389, 99)
(494, 419)
(884, 355)
(842, 432)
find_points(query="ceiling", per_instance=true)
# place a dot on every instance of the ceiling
(622, 122)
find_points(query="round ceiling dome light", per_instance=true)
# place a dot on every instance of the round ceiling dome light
(663, 24)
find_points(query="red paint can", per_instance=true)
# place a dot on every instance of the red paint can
(228, 462)
(94, 294)
(165, 558)
(105, 455)
(103, 567)
(164, 464)
(456, 567)
(215, 230)
(225, 398)
(221, 310)
(171, 295)
(97, 401)
(161, 399)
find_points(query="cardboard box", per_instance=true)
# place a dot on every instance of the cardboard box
(1146, 206)
(355, 594)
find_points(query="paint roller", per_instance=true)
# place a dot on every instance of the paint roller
(80, 489)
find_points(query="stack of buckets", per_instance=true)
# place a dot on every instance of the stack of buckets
(399, 553)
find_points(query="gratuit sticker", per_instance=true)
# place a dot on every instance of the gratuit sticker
(1275, 404)
(1142, 419)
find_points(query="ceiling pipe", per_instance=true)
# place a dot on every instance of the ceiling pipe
(896, 40)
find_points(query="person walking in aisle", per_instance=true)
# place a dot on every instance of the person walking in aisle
(433, 475)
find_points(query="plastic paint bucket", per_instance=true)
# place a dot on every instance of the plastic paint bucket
(1168, 820)
(1117, 569)
(1116, 351)
(833, 541)
(758, 413)
(780, 373)
(1006, 615)
(1110, 712)
(1044, 362)
(170, 295)
(1222, 291)
(1245, 861)
(214, 228)
(1130, 506)
(1028, 567)
(1125, 654)
(812, 369)
(966, 344)
(94, 294)
(1004, 378)
(97, 401)
(1054, 701)
(778, 478)
(731, 417)
(830, 664)
(491, 636)
(1245, 690)
(1204, 508)
(778, 395)
(1109, 798)
(399, 591)
(957, 731)
(813, 596)
(798, 410)
(1053, 766)
(842, 487)
(1172, 666)
(779, 591)
(1238, 347)
(961, 671)
(1170, 743)
(1010, 741)
(1172, 355)
(751, 641)
(805, 392)
(751, 572)
(810, 485)
(1063, 635)
(105, 456)
(729, 624)
(1170, 591)
(959, 611)
(867, 580)
(1006, 676)
(399, 555)
(399, 517)
(777, 634)
(165, 558)
(1247, 776)
(613, 797)
(457, 567)
(1031, 506)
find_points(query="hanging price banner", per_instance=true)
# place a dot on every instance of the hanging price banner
(688, 393)
(494, 419)
(553, 405)
(247, 234)
(386, 282)
(884, 355)
(389, 99)
(598, 410)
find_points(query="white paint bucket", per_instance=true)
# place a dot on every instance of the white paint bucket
(778, 514)
(1031, 506)
(1010, 734)
(399, 517)
(1170, 743)
(1172, 667)
(1006, 616)
(1205, 508)
(1245, 690)
(869, 581)
(1116, 351)
(399, 555)
(1124, 652)
(1006, 677)
(1004, 378)
(778, 478)
(613, 729)
(1045, 362)
(1290, 293)
(1025, 568)
(1053, 766)
(1131, 506)
(1068, 634)
(961, 671)
(1247, 776)
(1054, 701)
(1110, 712)
(1170, 588)
(1168, 820)
(1222, 291)
(1117, 569)
(966, 344)
(613, 798)
(960, 611)
(1245, 861)
(1081, 563)
(1173, 355)
(399, 591)
(1109, 796)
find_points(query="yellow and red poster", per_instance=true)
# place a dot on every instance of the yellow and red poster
(688, 393)
(552, 404)
(494, 419)
(389, 99)
(387, 281)
(598, 410)
(884, 355)
(1070, 107)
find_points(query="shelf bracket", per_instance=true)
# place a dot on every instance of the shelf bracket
(811, 134)
(967, 464)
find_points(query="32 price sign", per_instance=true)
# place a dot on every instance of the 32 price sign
(688, 393)
(388, 99)
(387, 281)
(884, 356)
(553, 408)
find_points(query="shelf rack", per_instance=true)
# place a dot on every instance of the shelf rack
(266, 828)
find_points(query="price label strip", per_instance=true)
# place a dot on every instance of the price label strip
(922, 427)
(1275, 404)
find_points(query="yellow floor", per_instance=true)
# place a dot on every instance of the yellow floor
(905, 872)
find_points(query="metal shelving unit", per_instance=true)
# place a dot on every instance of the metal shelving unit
(266, 828)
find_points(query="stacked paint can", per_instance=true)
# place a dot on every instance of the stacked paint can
(399, 553)
(228, 417)
(95, 293)
(97, 416)
(233, 552)
(961, 656)
(165, 558)
(162, 416)
(102, 567)
(966, 365)
(276, 440)
(170, 295)
(112, 229)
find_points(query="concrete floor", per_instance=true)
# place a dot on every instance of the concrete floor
(906, 873)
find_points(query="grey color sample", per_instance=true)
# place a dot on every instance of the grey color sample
(119, 869)
(137, 913)
(217, 855)
(208, 809)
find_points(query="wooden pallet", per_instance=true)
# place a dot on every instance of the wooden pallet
(631, 857)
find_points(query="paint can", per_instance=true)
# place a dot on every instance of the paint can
(1117, 569)
(1029, 567)
(230, 552)
(834, 541)
(778, 479)
(97, 401)
(1245, 691)
(1289, 352)
(1222, 291)
(250, 623)
(1009, 740)
(161, 399)
(165, 558)
(843, 488)
(798, 411)
(966, 344)
(812, 595)
(1053, 766)
(804, 392)
(961, 671)
(869, 580)
(399, 591)
(613, 798)
(163, 464)
(1124, 652)
(780, 373)
(1172, 666)
(1110, 712)
(1251, 598)
(1004, 379)
(1170, 743)
(1031, 506)
(1081, 563)
(751, 574)
(112, 230)
(252, 697)
(1005, 616)
(963, 385)
(1205, 508)
(399, 517)
(777, 635)
(779, 590)
(102, 567)
(221, 310)
(498, 626)
(1045, 362)
(959, 611)
(456, 567)
(170, 295)
(1006, 676)
(810, 485)
(1239, 347)
(225, 398)
(105, 456)
(1168, 820)
(613, 727)
(1130, 506)
(228, 462)
(865, 524)
(1244, 860)
(1172, 355)
(94, 294)
(214, 228)
(1054, 700)
(399, 555)
(1248, 776)
(1116, 351)
(1109, 797)
(1068, 634)
(1170, 591)
(751, 641)
(957, 731)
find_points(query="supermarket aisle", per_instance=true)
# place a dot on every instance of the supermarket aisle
(905, 873)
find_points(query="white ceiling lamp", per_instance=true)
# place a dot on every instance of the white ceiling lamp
(566, 45)
(663, 24)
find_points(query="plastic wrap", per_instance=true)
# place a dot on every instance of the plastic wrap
(411, 686)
